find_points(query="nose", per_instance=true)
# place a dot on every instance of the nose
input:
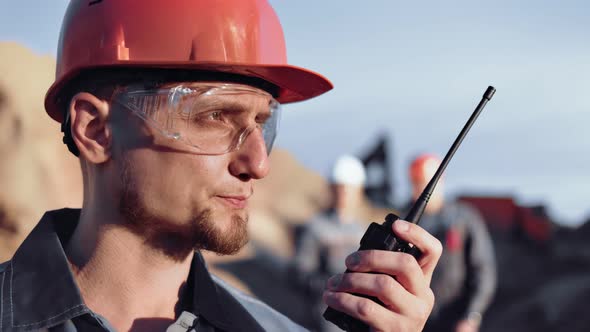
(250, 160)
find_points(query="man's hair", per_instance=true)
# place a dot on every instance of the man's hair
(102, 83)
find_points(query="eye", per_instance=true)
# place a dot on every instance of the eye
(215, 115)
(262, 118)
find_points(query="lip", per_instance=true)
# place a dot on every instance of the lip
(236, 202)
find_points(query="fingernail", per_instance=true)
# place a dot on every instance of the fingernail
(401, 225)
(334, 281)
(328, 294)
(353, 259)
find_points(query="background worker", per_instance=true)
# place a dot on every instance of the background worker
(464, 281)
(328, 238)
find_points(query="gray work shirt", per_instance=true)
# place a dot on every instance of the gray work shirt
(464, 280)
(38, 291)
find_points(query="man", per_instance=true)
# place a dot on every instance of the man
(329, 237)
(465, 278)
(172, 107)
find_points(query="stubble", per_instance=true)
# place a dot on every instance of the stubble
(177, 239)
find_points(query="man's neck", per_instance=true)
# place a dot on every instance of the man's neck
(122, 278)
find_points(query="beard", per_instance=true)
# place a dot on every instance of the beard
(178, 239)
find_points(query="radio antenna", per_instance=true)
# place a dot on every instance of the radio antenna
(418, 208)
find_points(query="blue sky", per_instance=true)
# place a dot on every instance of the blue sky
(416, 69)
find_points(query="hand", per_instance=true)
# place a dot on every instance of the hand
(407, 299)
(467, 325)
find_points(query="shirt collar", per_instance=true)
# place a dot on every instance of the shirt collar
(40, 275)
(216, 304)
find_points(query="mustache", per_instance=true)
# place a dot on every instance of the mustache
(237, 193)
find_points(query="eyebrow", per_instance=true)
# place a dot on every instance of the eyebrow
(232, 105)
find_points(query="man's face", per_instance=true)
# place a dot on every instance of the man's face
(346, 195)
(179, 197)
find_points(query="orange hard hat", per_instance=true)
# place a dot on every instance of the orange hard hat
(423, 167)
(242, 37)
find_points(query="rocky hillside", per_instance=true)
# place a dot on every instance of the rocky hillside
(36, 172)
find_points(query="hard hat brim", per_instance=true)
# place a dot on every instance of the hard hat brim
(295, 83)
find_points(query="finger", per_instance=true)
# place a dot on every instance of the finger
(429, 245)
(402, 266)
(382, 286)
(368, 311)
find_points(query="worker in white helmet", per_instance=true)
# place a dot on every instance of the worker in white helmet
(326, 241)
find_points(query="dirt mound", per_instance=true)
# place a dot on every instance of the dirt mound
(36, 172)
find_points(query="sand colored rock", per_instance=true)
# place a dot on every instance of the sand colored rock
(37, 173)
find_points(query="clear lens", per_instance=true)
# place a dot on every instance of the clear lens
(212, 118)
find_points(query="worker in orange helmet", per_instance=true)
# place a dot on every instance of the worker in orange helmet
(464, 281)
(173, 107)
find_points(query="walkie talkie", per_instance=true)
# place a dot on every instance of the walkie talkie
(381, 237)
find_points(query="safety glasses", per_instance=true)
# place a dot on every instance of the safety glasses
(213, 118)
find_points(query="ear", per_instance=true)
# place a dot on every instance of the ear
(90, 129)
